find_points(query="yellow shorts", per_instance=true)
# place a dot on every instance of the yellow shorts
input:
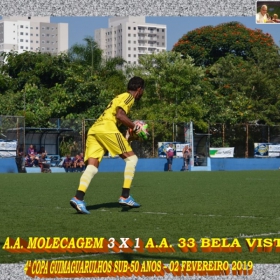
(98, 144)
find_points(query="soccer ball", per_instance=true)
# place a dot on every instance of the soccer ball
(142, 135)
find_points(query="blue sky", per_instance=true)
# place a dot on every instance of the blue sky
(80, 27)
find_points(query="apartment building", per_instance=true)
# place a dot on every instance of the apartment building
(130, 37)
(26, 33)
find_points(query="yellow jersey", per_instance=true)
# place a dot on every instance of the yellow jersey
(107, 122)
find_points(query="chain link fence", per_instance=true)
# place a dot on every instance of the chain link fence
(242, 137)
(64, 137)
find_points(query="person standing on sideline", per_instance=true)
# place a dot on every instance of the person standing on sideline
(104, 136)
(186, 157)
(169, 156)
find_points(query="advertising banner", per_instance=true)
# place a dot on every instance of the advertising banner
(274, 150)
(8, 148)
(266, 150)
(221, 152)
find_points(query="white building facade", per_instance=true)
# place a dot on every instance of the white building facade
(130, 37)
(26, 33)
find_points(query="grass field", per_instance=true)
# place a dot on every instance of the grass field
(174, 205)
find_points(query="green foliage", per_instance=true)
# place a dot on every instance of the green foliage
(40, 86)
(207, 44)
(173, 92)
(245, 90)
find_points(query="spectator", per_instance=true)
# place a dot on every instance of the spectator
(20, 151)
(169, 156)
(78, 162)
(186, 157)
(28, 161)
(42, 150)
(35, 161)
(31, 150)
(45, 167)
(68, 163)
(262, 16)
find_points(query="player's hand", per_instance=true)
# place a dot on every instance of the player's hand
(141, 131)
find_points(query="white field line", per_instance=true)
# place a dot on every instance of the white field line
(200, 215)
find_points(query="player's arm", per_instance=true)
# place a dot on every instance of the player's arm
(123, 118)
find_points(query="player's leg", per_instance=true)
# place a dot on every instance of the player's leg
(116, 144)
(130, 164)
(93, 156)
(169, 163)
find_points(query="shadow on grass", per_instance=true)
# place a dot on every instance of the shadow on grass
(109, 205)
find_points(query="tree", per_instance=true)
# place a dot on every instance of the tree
(207, 44)
(174, 92)
(245, 90)
(41, 69)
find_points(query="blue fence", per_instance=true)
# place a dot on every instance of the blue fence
(8, 165)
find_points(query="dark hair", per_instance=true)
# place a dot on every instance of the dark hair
(135, 83)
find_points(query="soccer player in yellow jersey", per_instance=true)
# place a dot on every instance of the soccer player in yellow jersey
(104, 136)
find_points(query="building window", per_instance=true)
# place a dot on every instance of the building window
(31, 34)
(31, 41)
(134, 55)
(21, 26)
(43, 42)
(129, 41)
(37, 42)
(26, 33)
(43, 35)
(162, 37)
(134, 28)
(129, 55)
(21, 40)
(31, 27)
(31, 48)
(26, 48)
(134, 42)
(21, 33)
(21, 47)
(128, 34)
(129, 48)
(135, 49)
(37, 27)
(37, 34)
(128, 27)
(26, 41)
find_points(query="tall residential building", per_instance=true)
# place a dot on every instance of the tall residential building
(28, 33)
(130, 37)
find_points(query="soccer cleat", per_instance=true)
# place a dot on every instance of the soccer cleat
(128, 202)
(79, 205)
